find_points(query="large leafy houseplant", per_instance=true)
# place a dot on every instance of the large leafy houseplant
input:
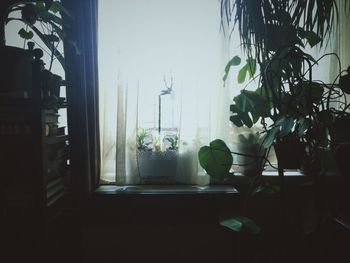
(291, 105)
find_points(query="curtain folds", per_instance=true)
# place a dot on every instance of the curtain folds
(146, 47)
(82, 94)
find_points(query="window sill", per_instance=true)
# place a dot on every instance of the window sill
(165, 189)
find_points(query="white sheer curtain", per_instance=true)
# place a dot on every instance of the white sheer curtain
(141, 43)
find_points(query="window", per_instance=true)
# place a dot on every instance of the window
(160, 66)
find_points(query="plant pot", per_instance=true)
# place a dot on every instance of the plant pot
(289, 153)
(341, 156)
(325, 161)
(157, 166)
(340, 130)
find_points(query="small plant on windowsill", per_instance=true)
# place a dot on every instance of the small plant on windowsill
(158, 153)
(156, 163)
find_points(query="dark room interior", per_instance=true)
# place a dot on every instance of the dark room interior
(61, 198)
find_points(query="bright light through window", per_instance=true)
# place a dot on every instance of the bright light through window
(149, 46)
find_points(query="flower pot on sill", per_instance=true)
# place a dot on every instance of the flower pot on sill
(290, 154)
(341, 156)
(156, 165)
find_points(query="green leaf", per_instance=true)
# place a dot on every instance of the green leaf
(40, 7)
(25, 34)
(235, 61)
(246, 119)
(240, 223)
(55, 7)
(311, 37)
(257, 102)
(216, 159)
(267, 188)
(242, 74)
(286, 126)
(270, 137)
(236, 120)
(316, 91)
(251, 64)
(303, 126)
(241, 102)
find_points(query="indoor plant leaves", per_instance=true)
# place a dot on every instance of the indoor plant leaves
(216, 159)
(240, 224)
(235, 61)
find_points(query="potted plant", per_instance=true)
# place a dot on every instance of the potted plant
(157, 154)
(288, 102)
(156, 162)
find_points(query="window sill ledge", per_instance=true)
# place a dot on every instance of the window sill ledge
(165, 189)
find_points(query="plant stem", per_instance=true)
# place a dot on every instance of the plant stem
(159, 113)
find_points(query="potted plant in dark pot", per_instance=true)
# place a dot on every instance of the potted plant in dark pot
(292, 106)
(288, 100)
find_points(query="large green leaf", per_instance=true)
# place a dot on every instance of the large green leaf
(286, 126)
(240, 224)
(257, 102)
(216, 159)
(242, 74)
(241, 102)
(317, 91)
(55, 7)
(251, 64)
(302, 126)
(236, 120)
(270, 137)
(246, 119)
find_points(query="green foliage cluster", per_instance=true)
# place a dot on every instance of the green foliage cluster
(47, 15)
(173, 140)
(148, 142)
(141, 139)
(274, 35)
(287, 94)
